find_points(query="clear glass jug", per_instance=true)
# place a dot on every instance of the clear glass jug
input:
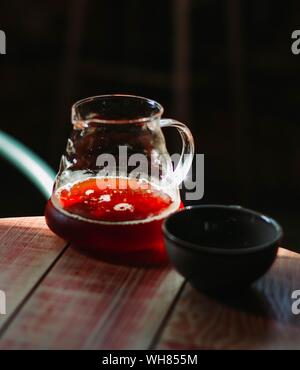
(116, 182)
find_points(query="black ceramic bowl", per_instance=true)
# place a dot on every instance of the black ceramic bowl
(221, 249)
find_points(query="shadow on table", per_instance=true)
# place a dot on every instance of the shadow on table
(154, 258)
(269, 297)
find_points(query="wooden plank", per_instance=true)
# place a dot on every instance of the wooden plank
(84, 303)
(27, 250)
(261, 320)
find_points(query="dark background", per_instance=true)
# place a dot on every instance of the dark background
(223, 67)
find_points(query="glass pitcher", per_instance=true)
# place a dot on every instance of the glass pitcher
(116, 182)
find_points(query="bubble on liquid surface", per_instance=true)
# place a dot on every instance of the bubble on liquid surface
(89, 192)
(123, 207)
(104, 198)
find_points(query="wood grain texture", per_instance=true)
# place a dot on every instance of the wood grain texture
(262, 319)
(84, 303)
(27, 249)
(58, 298)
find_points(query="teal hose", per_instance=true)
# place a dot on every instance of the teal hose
(32, 166)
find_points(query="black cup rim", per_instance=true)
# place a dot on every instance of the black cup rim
(197, 247)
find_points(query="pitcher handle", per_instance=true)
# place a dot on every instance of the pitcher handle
(188, 148)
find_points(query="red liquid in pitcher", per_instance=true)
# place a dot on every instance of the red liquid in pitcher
(118, 218)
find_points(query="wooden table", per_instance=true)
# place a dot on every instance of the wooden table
(58, 298)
